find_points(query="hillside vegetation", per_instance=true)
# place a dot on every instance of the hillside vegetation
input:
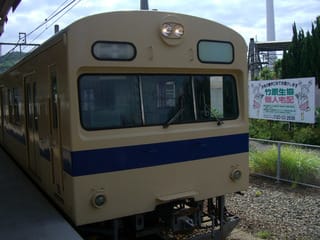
(9, 60)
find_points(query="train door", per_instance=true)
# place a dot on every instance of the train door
(55, 140)
(32, 135)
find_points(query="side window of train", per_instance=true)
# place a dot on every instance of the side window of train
(14, 96)
(216, 97)
(10, 105)
(35, 106)
(17, 95)
(54, 99)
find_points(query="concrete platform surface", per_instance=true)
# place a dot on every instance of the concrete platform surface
(25, 214)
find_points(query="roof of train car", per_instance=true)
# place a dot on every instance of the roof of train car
(5, 6)
(57, 36)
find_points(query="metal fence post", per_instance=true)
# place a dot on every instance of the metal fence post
(279, 163)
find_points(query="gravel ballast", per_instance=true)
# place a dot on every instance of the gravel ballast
(273, 210)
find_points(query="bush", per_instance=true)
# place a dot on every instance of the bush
(285, 131)
(307, 135)
(271, 130)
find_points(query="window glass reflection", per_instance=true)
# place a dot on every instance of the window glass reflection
(120, 101)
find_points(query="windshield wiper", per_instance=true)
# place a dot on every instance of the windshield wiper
(177, 114)
(215, 115)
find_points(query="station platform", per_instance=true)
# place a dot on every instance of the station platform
(25, 214)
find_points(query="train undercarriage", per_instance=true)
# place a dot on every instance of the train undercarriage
(182, 219)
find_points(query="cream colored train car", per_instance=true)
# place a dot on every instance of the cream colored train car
(137, 115)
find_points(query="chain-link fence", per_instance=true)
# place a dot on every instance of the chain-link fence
(285, 161)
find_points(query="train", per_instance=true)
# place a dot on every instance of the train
(133, 118)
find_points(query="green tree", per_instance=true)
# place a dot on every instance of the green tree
(302, 59)
(266, 74)
(306, 56)
(315, 65)
(278, 69)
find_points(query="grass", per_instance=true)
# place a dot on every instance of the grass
(258, 193)
(297, 164)
(264, 234)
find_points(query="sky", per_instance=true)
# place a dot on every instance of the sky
(248, 17)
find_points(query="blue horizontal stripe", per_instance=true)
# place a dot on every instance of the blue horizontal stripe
(148, 155)
(45, 153)
(18, 135)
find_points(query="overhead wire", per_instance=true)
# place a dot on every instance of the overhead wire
(57, 8)
(51, 17)
(65, 6)
(47, 27)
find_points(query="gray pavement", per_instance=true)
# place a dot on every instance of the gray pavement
(25, 214)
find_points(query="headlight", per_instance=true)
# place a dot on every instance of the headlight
(178, 30)
(98, 200)
(166, 29)
(235, 174)
(172, 30)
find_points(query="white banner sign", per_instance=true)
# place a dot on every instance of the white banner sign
(291, 100)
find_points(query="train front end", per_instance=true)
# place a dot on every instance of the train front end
(158, 120)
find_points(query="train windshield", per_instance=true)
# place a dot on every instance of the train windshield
(120, 101)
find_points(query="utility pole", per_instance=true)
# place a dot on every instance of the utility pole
(17, 45)
(21, 43)
(271, 35)
(144, 5)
